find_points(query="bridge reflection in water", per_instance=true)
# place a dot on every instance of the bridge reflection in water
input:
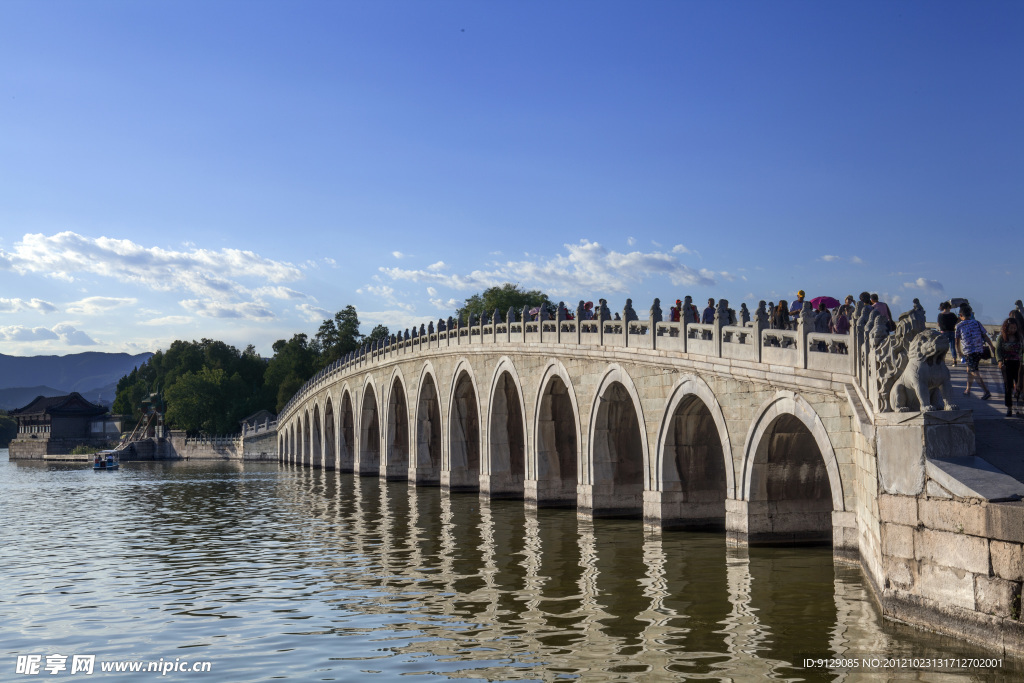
(492, 588)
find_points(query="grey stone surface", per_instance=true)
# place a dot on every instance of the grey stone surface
(973, 477)
(901, 459)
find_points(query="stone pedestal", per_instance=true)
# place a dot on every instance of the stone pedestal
(904, 441)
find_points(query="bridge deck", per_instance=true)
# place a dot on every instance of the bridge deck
(999, 439)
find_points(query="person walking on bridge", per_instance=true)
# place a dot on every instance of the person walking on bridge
(947, 326)
(1009, 347)
(972, 339)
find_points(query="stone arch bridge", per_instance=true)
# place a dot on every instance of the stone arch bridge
(775, 436)
(758, 432)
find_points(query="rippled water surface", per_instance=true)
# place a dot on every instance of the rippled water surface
(272, 572)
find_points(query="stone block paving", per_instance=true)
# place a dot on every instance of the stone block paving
(999, 439)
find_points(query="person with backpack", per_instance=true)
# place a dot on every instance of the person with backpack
(972, 340)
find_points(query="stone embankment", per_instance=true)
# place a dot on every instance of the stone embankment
(251, 446)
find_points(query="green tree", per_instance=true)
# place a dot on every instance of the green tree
(500, 299)
(338, 336)
(8, 428)
(202, 401)
(378, 333)
(294, 361)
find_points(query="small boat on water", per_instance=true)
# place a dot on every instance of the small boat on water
(105, 460)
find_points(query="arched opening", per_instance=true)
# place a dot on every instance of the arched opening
(397, 466)
(280, 447)
(464, 445)
(347, 433)
(369, 435)
(428, 435)
(618, 456)
(790, 498)
(557, 448)
(694, 480)
(317, 454)
(305, 440)
(507, 441)
(330, 457)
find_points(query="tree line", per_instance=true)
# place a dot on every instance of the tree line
(209, 386)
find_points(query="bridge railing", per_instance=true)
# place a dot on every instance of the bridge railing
(800, 348)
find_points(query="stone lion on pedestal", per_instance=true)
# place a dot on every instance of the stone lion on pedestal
(924, 383)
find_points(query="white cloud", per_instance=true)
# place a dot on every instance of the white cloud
(631, 241)
(248, 310)
(313, 313)
(224, 283)
(167, 320)
(381, 291)
(441, 304)
(586, 266)
(94, 305)
(829, 258)
(680, 249)
(440, 265)
(857, 260)
(398, 254)
(63, 332)
(200, 271)
(280, 293)
(15, 305)
(20, 333)
(431, 291)
(73, 337)
(928, 286)
(394, 320)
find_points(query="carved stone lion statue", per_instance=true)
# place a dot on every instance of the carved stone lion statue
(924, 384)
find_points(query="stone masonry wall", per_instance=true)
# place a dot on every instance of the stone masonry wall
(960, 558)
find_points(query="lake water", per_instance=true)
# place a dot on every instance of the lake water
(273, 572)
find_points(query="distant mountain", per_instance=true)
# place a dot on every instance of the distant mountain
(90, 374)
(19, 397)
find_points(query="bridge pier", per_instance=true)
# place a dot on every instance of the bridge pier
(550, 493)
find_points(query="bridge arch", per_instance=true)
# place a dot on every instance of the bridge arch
(291, 443)
(463, 430)
(693, 471)
(316, 450)
(330, 457)
(426, 459)
(553, 470)
(346, 431)
(505, 469)
(369, 430)
(791, 479)
(396, 464)
(617, 465)
(306, 437)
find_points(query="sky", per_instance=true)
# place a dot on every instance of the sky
(242, 170)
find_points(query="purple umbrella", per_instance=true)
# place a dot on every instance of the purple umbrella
(827, 300)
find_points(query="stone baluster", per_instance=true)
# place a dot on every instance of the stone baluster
(685, 320)
(526, 317)
(510, 317)
(804, 327)
(722, 319)
(495, 321)
(628, 315)
(654, 316)
(580, 310)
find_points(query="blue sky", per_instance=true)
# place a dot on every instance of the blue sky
(241, 170)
